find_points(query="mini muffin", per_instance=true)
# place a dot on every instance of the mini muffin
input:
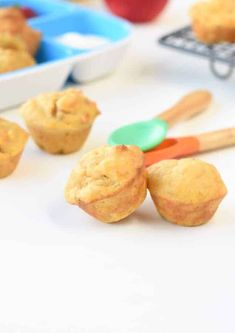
(13, 22)
(32, 38)
(12, 142)
(109, 182)
(186, 192)
(60, 122)
(12, 13)
(213, 21)
(8, 41)
(11, 60)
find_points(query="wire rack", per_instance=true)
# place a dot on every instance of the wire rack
(184, 40)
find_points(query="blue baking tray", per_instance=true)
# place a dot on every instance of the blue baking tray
(84, 21)
(50, 51)
(55, 59)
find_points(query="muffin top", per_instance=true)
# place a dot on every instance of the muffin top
(103, 172)
(11, 60)
(12, 138)
(187, 180)
(214, 12)
(68, 109)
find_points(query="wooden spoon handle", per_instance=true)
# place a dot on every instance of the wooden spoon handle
(216, 140)
(189, 106)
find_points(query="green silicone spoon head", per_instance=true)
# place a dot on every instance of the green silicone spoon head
(145, 134)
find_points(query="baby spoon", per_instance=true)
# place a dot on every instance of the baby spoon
(148, 134)
(186, 146)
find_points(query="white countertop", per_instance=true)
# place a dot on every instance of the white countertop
(63, 272)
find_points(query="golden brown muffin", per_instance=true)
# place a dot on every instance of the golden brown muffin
(12, 13)
(11, 60)
(13, 22)
(185, 192)
(32, 38)
(12, 142)
(213, 21)
(108, 183)
(8, 41)
(60, 122)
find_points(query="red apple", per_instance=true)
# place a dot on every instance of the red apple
(28, 12)
(137, 10)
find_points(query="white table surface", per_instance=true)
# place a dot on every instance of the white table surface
(63, 272)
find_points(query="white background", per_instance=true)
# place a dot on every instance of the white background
(63, 272)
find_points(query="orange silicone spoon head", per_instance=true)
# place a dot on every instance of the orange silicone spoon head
(172, 148)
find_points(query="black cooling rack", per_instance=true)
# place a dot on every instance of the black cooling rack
(184, 40)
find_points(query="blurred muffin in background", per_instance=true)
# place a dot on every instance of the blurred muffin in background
(13, 22)
(213, 21)
(12, 42)
(11, 60)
